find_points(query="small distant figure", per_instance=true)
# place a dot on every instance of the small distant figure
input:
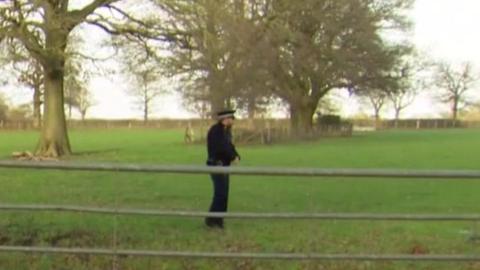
(221, 152)
(189, 134)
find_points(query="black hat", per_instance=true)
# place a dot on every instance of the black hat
(226, 114)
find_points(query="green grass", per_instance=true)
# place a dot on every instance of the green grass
(449, 149)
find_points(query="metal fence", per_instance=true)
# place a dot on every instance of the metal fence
(318, 173)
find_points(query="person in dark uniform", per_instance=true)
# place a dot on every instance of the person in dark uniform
(221, 152)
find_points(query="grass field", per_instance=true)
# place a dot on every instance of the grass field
(451, 149)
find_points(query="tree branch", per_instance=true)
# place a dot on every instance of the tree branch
(78, 16)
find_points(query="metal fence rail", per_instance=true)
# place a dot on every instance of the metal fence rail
(256, 256)
(382, 174)
(303, 172)
(192, 214)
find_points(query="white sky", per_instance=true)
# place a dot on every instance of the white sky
(445, 29)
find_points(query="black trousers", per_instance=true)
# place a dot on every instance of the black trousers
(221, 185)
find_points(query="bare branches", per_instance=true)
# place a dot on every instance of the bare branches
(79, 16)
(18, 21)
(134, 29)
(31, 22)
(402, 99)
(377, 99)
(456, 83)
(44, 29)
(411, 76)
(144, 75)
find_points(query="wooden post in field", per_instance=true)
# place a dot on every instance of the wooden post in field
(268, 135)
(189, 134)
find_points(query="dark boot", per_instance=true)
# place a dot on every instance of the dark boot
(214, 223)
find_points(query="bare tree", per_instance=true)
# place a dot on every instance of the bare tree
(28, 73)
(44, 27)
(76, 82)
(322, 46)
(146, 89)
(31, 75)
(456, 84)
(145, 77)
(411, 79)
(377, 100)
(401, 100)
(77, 94)
(85, 101)
(218, 58)
(240, 52)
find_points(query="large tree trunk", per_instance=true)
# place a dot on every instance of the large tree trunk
(252, 108)
(301, 119)
(455, 110)
(145, 112)
(217, 104)
(37, 107)
(54, 140)
(83, 112)
(397, 116)
(377, 118)
(146, 102)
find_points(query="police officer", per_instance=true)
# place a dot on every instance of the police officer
(221, 152)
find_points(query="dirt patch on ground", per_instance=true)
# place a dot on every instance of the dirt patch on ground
(17, 235)
(71, 238)
(4, 239)
(419, 249)
(28, 235)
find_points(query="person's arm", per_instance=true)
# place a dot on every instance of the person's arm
(237, 155)
(211, 148)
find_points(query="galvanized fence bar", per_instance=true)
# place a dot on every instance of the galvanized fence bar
(256, 256)
(303, 172)
(192, 214)
(174, 169)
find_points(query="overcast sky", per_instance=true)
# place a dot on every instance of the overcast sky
(445, 29)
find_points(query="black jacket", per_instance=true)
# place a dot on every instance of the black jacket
(221, 150)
